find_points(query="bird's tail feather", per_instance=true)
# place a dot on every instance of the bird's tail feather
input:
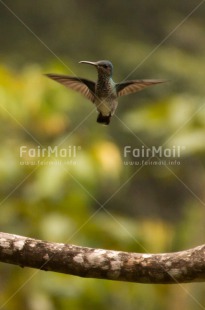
(103, 119)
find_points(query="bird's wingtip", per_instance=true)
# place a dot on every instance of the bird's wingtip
(47, 74)
(158, 81)
(164, 81)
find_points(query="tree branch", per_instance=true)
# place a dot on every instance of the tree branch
(166, 268)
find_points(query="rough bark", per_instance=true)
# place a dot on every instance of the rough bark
(166, 268)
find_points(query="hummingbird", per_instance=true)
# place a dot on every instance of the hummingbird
(105, 92)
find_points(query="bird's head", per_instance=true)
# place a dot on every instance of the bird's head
(103, 66)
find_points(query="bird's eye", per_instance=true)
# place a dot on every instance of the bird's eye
(105, 66)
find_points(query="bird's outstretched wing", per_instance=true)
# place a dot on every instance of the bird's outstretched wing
(83, 86)
(128, 87)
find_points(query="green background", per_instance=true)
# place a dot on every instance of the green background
(97, 200)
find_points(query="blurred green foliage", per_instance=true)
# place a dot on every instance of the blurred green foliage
(94, 198)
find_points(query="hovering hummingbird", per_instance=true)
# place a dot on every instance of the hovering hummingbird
(105, 91)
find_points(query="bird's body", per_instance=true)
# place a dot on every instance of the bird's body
(106, 98)
(105, 91)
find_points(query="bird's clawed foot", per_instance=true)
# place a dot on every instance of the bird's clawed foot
(103, 119)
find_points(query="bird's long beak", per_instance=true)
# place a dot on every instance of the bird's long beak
(88, 62)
